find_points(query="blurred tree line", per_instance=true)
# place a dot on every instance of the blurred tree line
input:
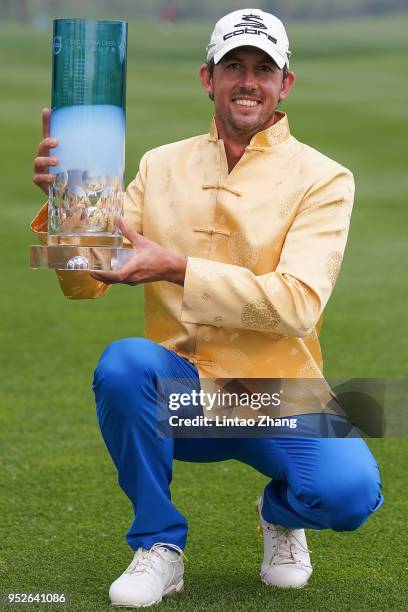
(172, 10)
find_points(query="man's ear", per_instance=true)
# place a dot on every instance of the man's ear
(287, 85)
(206, 81)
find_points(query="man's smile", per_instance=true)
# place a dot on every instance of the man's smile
(248, 101)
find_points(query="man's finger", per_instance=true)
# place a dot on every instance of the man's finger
(43, 178)
(46, 114)
(128, 233)
(102, 277)
(109, 277)
(42, 163)
(45, 145)
(117, 276)
(43, 181)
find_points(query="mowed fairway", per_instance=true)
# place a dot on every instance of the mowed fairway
(63, 516)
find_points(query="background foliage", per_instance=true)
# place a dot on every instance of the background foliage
(199, 9)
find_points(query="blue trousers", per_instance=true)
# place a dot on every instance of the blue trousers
(316, 483)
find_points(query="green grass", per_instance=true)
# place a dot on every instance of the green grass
(63, 516)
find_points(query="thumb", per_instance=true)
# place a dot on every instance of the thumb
(128, 233)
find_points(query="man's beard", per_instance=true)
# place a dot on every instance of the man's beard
(248, 124)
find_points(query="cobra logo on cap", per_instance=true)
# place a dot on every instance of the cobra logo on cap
(251, 20)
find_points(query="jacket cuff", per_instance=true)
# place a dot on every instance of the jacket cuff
(200, 275)
(39, 225)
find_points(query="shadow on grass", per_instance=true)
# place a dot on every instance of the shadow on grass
(226, 590)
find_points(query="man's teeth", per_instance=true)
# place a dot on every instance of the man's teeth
(246, 102)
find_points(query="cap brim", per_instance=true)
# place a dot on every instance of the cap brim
(248, 41)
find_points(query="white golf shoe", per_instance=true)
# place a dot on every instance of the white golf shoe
(286, 561)
(151, 575)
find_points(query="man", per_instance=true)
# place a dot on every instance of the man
(238, 235)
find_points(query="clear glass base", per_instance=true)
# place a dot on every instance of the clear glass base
(71, 257)
(103, 240)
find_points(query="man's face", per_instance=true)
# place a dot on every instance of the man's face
(246, 87)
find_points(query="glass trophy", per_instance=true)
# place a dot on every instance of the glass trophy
(88, 119)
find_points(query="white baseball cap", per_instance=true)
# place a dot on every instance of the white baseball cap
(250, 27)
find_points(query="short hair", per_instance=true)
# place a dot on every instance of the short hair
(210, 68)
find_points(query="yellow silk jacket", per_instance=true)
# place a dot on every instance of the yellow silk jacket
(264, 245)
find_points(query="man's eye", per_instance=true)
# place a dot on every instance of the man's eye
(266, 68)
(233, 66)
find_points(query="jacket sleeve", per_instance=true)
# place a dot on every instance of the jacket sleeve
(78, 285)
(289, 300)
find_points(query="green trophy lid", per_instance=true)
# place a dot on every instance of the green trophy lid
(89, 62)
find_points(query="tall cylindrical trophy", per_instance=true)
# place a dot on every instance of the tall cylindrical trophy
(88, 109)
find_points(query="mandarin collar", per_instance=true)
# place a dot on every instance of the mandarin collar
(275, 134)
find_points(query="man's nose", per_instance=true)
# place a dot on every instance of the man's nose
(248, 79)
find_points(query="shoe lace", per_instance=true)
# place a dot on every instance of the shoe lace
(144, 559)
(287, 545)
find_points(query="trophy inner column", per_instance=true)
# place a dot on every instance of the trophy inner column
(86, 197)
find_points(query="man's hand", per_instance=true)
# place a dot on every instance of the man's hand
(42, 160)
(150, 262)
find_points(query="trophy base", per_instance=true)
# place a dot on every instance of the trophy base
(72, 257)
(87, 240)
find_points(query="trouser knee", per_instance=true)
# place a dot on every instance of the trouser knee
(345, 506)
